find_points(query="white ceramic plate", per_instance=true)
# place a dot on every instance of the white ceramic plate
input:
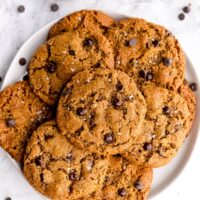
(162, 176)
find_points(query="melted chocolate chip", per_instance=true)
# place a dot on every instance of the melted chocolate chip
(155, 42)
(54, 7)
(22, 61)
(166, 110)
(25, 77)
(167, 61)
(138, 185)
(116, 102)
(142, 74)
(97, 65)
(193, 86)
(38, 161)
(41, 177)
(81, 111)
(147, 146)
(66, 91)
(181, 16)
(51, 66)
(69, 157)
(48, 137)
(21, 9)
(73, 175)
(10, 122)
(119, 86)
(88, 42)
(186, 9)
(71, 52)
(109, 138)
(149, 76)
(122, 192)
(78, 131)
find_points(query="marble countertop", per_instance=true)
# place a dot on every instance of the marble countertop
(16, 28)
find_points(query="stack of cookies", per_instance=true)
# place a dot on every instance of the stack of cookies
(105, 102)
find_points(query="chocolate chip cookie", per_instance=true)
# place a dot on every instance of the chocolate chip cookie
(190, 98)
(125, 181)
(164, 129)
(21, 111)
(148, 53)
(59, 170)
(101, 111)
(64, 55)
(90, 19)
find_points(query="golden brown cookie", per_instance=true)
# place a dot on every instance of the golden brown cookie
(21, 111)
(164, 129)
(59, 170)
(189, 96)
(125, 181)
(101, 111)
(148, 53)
(90, 19)
(58, 59)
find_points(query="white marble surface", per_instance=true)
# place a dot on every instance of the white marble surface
(16, 28)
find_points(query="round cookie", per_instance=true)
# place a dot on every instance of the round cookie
(21, 111)
(101, 111)
(90, 19)
(125, 181)
(58, 169)
(56, 61)
(189, 96)
(164, 129)
(148, 53)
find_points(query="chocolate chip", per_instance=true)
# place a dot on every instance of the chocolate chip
(54, 7)
(69, 157)
(116, 102)
(88, 42)
(167, 61)
(41, 177)
(122, 192)
(109, 138)
(48, 137)
(10, 122)
(155, 42)
(193, 86)
(147, 146)
(138, 185)
(181, 16)
(51, 66)
(8, 198)
(166, 110)
(21, 9)
(132, 42)
(73, 175)
(142, 74)
(38, 161)
(0, 78)
(97, 65)
(149, 76)
(66, 91)
(186, 9)
(22, 61)
(119, 86)
(25, 77)
(71, 52)
(81, 111)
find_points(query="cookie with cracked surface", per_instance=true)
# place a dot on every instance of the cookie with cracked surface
(189, 96)
(101, 111)
(148, 53)
(164, 129)
(58, 169)
(56, 61)
(125, 181)
(21, 111)
(90, 19)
